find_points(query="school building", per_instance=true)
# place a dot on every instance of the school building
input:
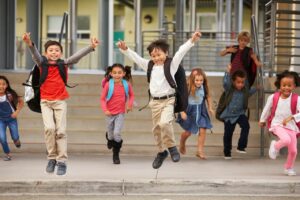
(274, 26)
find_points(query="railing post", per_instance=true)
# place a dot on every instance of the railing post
(272, 38)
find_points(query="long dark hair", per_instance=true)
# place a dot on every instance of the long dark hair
(126, 69)
(9, 90)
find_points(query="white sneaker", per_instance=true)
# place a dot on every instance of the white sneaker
(290, 172)
(227, 157)
(272, 151)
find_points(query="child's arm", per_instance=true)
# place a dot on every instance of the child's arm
(183, 49)
(227, 78)
(227, 50)
(36, 56)
(82, 52)
(133, 56)
(183, 115)
(266, 111)
(19, 107)
(131, 98)
(256, 61)
(209, 105)
(103, 100)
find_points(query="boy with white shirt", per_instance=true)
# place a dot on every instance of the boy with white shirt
(163, 95)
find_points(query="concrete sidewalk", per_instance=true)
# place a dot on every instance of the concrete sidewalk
(95, 174)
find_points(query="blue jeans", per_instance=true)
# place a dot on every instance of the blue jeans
(12, 124)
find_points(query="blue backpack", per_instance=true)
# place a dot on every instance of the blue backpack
(111, 88)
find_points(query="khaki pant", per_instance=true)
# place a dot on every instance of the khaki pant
(54, 117)
(162, 117)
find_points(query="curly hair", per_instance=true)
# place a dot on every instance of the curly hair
(287, 74)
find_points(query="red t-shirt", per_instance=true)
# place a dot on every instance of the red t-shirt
(237, 62)
(54, 87)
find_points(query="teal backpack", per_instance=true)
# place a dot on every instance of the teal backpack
(111, 88)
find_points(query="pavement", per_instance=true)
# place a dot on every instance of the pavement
(94, 174)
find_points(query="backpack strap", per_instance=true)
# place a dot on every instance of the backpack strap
(111, 86)
(294, 101)
(167, 71)
(274, 107)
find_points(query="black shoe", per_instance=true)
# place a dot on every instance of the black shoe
(17, 143)
(174, 154)
(61, 169)
(51, 166)
(116, 150)
(109, 142)
(158, 161)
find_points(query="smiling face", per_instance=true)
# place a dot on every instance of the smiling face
(53, 53)
(239, 83)
(287, 85)
(117, 74)
(158, 56)
(3, 86)
(243, 42)
(198, 81)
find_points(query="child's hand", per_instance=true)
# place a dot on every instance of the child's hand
(183, 115)
(94, 42)
(287, 120)
(122, 45)
(128, 109)
(196, 36)
(262, 124)
(212, 112)
(26, 39)
(107, 113)
(229, 68)
(231, 49)
(14, 115)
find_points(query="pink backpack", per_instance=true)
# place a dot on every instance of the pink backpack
(294, 100)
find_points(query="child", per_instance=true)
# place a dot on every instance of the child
(113, 101)
(162, 103)
(10, 106)
(242, 57)
(280, 121)
(237, 94)
(53, 93)
(196, 119)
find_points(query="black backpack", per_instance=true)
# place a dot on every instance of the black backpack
(33, 84)
(179, 84)
(225, 100)
(250, 66)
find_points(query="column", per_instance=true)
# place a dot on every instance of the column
(138, 26)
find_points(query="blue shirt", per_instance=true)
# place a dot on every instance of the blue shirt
(198, 98)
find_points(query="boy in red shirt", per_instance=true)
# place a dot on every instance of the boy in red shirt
(53, 93)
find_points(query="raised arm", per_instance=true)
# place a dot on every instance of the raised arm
(133, 56)
(227, 50)
(266, 111)
(82, 52)
(36, 56)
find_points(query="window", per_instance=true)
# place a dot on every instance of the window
(55, 22)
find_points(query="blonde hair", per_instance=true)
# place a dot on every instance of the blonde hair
(191, 81)
(244, 34)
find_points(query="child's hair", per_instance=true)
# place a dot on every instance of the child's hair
(244, 34)
(287, 74)
(238, 73)
(107, 72)
(126, 69)
(159, 44)
(52, 42)
(9, 89)
(191, 81)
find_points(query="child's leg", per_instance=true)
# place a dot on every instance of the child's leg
(110, 123)
(292, 150)
(60, 114)
(227, 139)
(201, 141)
(49, 126)
(245, 127)
(156, 130)
(284, 138)
(3, 138)
(14, 131)
(184, 136)
(118, 125)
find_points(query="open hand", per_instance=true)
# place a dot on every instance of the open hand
(26, 38)
(122, 45)
(94, 42)
(196, 36)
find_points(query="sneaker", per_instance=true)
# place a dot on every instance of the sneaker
(272, 151)
(227, 157)
(17, 143)
(61, 169)
(51, 166)
(158, 161)
(243, 151)
(174, 154)
(290, 172)
(7, 158)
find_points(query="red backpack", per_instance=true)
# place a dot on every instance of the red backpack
(294, 100)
